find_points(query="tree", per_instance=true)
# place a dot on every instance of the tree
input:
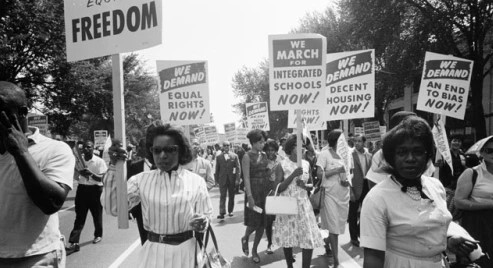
(31, 38)
(252, 85)
(83, 95)
(401, 31)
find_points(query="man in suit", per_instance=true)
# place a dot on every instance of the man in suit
(227, 176)
(200, 166)
(359, 188)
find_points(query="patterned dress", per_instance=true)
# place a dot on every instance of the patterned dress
(297, 230)
(260, 187)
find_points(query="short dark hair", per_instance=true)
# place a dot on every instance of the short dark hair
(255, 135)
(184, 148)
(333, 136)
(363, 138)
(270, 143)
(290, 144)
(414, 128)
(399, 117)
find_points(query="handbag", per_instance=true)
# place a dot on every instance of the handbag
(281, 205)
(317, 197)
(211, 258)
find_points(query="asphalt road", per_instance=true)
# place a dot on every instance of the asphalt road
(119, 247)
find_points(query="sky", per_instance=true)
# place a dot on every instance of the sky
(229, 34)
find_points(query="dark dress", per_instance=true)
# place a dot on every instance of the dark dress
(260, 187)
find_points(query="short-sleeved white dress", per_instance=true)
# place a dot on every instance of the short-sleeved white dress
(412, 233)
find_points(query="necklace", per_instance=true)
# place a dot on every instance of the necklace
(414, 193)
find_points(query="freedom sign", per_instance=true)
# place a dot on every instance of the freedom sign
(257, 116)
(95, 28)
(445, 85)
(184, 92)
(350, 85)
(297, 71)
(312, 119)
(39, 121)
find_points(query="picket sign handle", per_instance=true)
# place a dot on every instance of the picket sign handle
(119, 119)
(299, 134)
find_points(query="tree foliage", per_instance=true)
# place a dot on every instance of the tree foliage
(77, 96)
(252, 85)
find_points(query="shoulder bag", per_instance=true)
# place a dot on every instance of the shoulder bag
(281, 205)
(317, 197)
(211, 258)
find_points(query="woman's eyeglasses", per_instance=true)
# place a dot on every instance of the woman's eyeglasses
(487, 150)
(168, 149)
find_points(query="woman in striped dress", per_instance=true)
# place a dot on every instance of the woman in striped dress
(175, 201)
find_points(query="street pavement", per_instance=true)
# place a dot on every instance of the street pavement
(120, 247)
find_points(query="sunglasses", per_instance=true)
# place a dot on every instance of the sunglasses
(488, 150)
(168, 149)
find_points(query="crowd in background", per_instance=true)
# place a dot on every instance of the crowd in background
(397, 212)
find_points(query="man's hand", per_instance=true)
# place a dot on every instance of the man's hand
(12, 135)
(85, 172)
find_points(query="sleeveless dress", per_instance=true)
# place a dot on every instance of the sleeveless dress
(260, 187)
(335, 206)
(299, 230)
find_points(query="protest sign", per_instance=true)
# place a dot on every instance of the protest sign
(211, 135)
(96, 28)
(312, 119)
(100, 137)
(257, 116)
(39, 121)
(445, 85)
(350, 85)
(441, 141)
(372, 131)
(297, 71)
(230, 132)
(184, 92)
(359, 130)
(241, 135)
(345, 154)
(199, 134)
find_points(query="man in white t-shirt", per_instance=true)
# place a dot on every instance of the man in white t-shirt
(88, 197)
(37, 174)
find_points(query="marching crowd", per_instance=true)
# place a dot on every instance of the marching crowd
(395, 209)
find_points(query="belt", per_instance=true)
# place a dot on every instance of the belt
(173, 239)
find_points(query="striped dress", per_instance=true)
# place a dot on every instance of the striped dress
(168, 205)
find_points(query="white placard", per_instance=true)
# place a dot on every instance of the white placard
(312, 119)
(297, 71)
(100, 137)
(241, 135)
(184, 92)
(372, 131)
(441, 141)
(445, 85)
(95, 28)
(257, 115)
(350, 85)
(230, 132)
(39, 121)
(211, 135)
